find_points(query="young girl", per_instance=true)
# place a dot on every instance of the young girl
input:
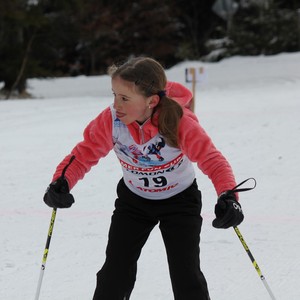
(156, 138)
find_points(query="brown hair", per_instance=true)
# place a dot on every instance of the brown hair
(149, 77)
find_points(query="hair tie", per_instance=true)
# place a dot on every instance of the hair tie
(161, 94)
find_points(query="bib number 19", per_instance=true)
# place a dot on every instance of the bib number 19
(159, 181)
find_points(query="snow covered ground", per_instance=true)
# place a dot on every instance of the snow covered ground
(249, 105)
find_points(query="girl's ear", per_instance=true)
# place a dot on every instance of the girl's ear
(154, 99)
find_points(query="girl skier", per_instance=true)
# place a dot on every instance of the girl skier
(157, 187)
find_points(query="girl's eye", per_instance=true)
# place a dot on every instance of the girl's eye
(120, 98)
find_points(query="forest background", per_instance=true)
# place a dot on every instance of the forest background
(54, 38)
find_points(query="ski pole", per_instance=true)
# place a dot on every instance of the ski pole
(45, 255)
(262, 277)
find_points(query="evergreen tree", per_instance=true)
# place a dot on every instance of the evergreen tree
(31, 41)
(112, 31)
(264, 29)
(197, 22)
(14, 37)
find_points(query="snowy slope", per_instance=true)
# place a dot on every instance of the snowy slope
(250, 107)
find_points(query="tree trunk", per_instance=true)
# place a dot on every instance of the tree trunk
(20, 82)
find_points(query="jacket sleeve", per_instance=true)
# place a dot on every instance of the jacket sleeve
(199, 148)
(97, 143)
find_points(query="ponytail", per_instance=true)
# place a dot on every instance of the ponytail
(169, 115)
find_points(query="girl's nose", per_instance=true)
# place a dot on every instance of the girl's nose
(116, 103)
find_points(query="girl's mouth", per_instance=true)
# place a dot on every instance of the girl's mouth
(120, 115)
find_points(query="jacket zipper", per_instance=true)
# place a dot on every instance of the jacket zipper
(141, 131)
(142, 137)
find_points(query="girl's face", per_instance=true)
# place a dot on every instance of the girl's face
(130, 105)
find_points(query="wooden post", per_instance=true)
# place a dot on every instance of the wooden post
(193, 75)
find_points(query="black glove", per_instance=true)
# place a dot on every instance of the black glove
(58, 194)
(228, 211)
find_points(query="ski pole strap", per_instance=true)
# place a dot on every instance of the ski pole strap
(66, 167)
(236, 190)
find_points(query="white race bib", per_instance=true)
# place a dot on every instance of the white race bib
(152, 170)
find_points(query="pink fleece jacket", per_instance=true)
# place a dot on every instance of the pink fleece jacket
(194, 143)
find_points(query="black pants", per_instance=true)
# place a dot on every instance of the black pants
(132, 221)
